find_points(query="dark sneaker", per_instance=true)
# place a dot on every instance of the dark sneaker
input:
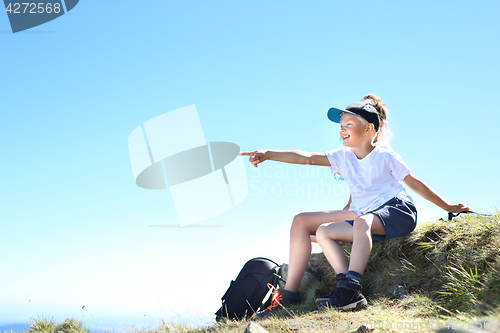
(349, 297)
(331, 294)
(281, 299)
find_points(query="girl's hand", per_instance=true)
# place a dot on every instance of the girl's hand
(256, 156)
(457, 208)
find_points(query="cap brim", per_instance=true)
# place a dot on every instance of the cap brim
(334, 114)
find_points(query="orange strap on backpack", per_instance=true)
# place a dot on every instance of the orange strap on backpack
(275, 297)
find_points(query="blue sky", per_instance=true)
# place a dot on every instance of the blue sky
(262, 74)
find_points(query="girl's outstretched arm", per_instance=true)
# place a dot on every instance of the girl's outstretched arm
(288, 156)
(419, 187)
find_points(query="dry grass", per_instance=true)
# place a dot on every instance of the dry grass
(450, 270)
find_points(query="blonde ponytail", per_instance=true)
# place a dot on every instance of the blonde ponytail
(385, 133)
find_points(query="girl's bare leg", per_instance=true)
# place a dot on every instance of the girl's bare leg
(329, 234)
(364, 227)
(303, 227)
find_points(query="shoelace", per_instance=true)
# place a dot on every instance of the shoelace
(275, 297)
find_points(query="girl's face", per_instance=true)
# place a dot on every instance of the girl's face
(353, 130)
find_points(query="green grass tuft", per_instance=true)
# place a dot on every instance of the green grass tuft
(37, 325)
(71, 326)
(45, 325)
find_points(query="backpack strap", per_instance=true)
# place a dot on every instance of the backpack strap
(451, 215)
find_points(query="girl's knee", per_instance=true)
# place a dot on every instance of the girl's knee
(361, 223)
(299, 221)
(322, 234)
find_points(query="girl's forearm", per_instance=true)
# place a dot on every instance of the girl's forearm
(429, 194)
(426, 192)
(419, 187)
(289, 156)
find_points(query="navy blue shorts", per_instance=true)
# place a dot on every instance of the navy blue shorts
(399, 217)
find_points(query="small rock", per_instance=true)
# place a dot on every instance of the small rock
(316, 259)
(469, 330)
(397, 291)
(363, 329)
(311, 267)
(308, 285)
(284, 275)
(308, 288)
(253, 327)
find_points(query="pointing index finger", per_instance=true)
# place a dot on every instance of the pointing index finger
(248, 153)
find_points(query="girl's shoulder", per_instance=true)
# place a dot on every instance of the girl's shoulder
(388, 154)
(386, 150)
(384, 145)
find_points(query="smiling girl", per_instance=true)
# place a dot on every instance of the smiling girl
(380, 208)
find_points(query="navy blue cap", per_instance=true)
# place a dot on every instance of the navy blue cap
(362, 109)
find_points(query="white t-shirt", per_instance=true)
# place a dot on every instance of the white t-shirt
(372, 180)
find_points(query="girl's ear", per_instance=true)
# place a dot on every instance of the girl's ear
(369, 128)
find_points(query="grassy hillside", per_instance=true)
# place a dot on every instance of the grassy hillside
(450, 271)
(454, 264)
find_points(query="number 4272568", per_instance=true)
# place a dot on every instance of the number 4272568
(33, 8)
